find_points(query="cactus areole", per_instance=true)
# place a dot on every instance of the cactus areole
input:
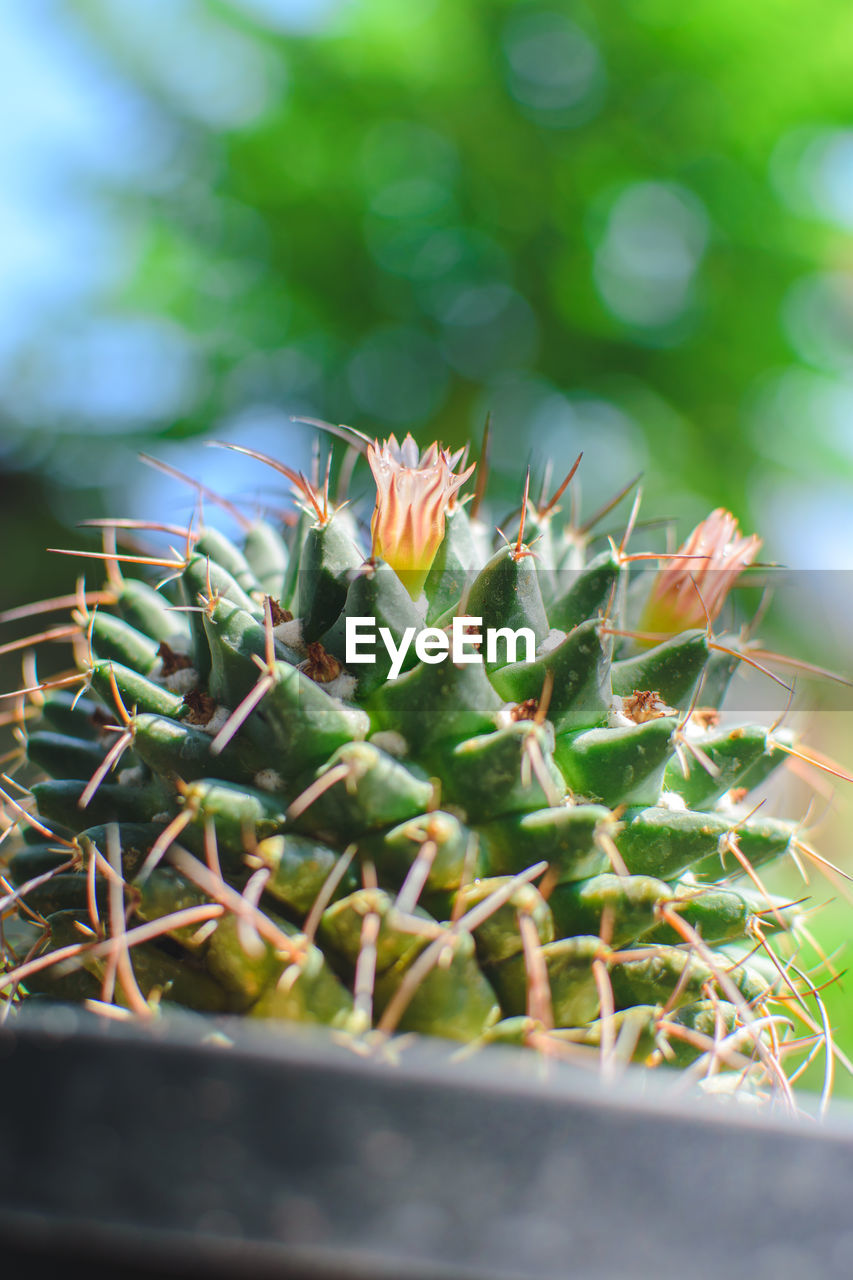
(399, 772)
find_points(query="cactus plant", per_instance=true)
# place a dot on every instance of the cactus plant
(307, 778)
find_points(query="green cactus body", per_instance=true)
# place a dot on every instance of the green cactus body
(458, 842)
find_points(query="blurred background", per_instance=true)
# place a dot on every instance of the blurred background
(621, 227)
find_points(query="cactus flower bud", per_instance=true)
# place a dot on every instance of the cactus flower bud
(714, 556)
(412, 495)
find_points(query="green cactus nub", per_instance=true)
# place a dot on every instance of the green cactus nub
(592, 592)
(579, 669)
(328, 559)
(151, 614)
(624, 765)
(506, 594)
(454, 566)
(268, 557)
(672, 669)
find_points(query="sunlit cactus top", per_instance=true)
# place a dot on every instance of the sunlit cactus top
(413, 492)
(699, 577)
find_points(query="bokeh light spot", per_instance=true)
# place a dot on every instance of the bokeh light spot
(652, 245)
(488, 328)
(114, 374)
(553, 67)
(398, 377)
(818, 318)
(556, 425)
(398, 150)
(799, 417)
(812, 169)
(302, 17)
(208, 67)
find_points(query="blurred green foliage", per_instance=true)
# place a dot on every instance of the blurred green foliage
(621, 227)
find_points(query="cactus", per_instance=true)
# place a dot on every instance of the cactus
(554, 847)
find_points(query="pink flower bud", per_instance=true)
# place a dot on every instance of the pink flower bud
(708, 565)
(412, 495)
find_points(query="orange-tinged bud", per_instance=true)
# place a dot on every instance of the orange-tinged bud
(707, 566)
(413, 493)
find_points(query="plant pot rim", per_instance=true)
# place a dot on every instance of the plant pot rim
(192, 1146)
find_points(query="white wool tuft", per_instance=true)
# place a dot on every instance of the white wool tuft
(616, 718)
(269, 780)
(131, 777)
(216, 721)
(181, 681)
(673, 801)
(343, 686)
(290, 633)
(390, 741)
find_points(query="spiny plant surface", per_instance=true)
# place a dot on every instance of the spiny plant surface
(563, 853)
